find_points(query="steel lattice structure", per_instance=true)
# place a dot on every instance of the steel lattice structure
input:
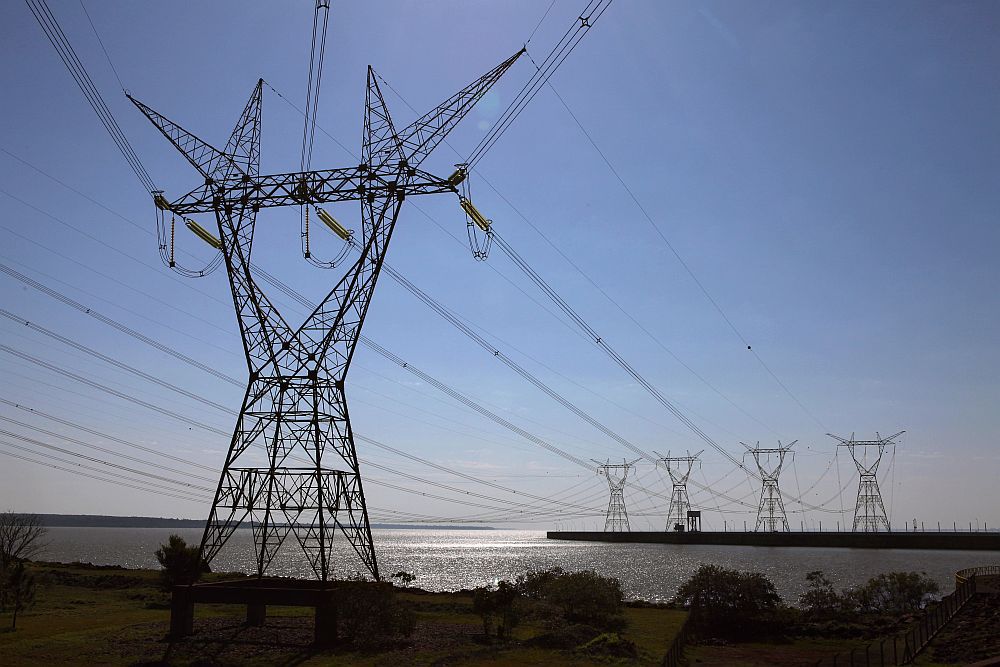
(616, 473)
(771, 510)
(679, 469)
(295, 407)
(869, 510)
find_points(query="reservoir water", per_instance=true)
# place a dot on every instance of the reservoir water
(455, 559)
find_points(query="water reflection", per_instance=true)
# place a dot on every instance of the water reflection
(455, 559)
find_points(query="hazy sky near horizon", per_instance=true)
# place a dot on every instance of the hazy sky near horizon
(828, 171)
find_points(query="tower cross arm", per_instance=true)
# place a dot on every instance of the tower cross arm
(423, 135)
(309, 187)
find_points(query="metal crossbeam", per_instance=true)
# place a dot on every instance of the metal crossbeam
(308, 187)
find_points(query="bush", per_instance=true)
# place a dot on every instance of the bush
(612, 646)
(821, 601)
(404, 578)
(497, 608)
(583, 597)
(565, 637)
(369, 610)
(181, 564)
(729, 603)
(894, 593)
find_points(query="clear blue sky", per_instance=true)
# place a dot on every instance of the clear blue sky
(828, 171)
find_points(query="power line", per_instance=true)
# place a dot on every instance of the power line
(563, 48)
(674, 251)
(50, 26)
(99, 434)
(48, 465)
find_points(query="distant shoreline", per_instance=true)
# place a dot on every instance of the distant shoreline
(109, 521)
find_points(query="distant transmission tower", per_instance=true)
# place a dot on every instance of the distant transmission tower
(679, 469)
(292, 468)
(869, 511)
(771, 511)
(617, 519)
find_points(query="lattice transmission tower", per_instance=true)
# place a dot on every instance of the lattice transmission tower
(679, 469)
(771, 510)
(295, 408)
(869, 511)
(616, 473)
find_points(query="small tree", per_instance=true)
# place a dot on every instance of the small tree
(370, 611)
(21, 590)
(583, 597)
(497, 608)
(181, 564)
(404, 578)
(821, 601)
(894, 593)
(729, 602)
(21, 538)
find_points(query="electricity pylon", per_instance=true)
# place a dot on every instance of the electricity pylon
(679, 469)
(869, 511)
(771, 510)
(295, 408)
(616, 473)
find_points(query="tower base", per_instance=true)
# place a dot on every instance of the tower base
(257, 594)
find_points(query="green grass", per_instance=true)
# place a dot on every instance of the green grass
(90, 615)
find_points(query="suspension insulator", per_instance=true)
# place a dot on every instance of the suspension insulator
(307, 253)
(457, 177)
(332, 223)
(161, 201)
(481, 221)
(172, 263)
(203, 234)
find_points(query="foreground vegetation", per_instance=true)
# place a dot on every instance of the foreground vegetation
(106, 615)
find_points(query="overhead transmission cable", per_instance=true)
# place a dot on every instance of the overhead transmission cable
(194, 422)
(99, 434)
(89, 445)
(146, 376)
(139, 485)
(321, 18)
(673, 249)
(50, 26)
(565, 46)
(57, 37)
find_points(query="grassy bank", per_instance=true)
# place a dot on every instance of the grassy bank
(92, 615)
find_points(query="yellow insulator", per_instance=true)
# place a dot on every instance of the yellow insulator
(476, 216)
(161, 202)
(332, 223)
(456, 178)
(203, 234)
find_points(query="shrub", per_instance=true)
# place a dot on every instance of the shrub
(497, 608)
(894, 593)
(821, 601)
(181, 564)
(404, 578)
(731, 603)
(369, 610)
(583, 597)
(611, 645)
